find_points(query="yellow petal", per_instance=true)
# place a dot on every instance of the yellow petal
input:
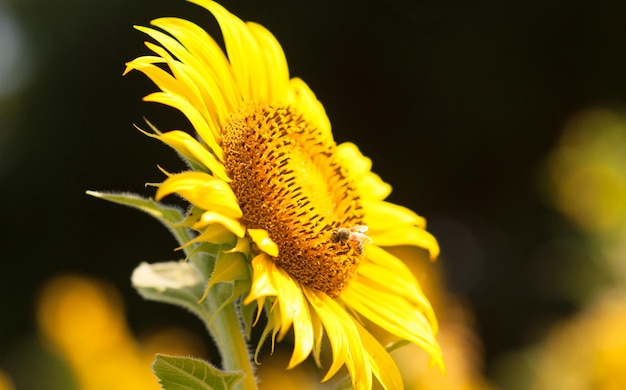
(350, 156)
(216, 234)
(385, 259)
(192, 150)
(336, 334)
(214, 67)
(302, 330)
(193, 114)
(344, 337)
(243, 53)
(303, 99)
(198, 84)
(263, 241)
(318, 335)
(165, 81)
(269, 280)
(191, 85)
(294, 311)
(242, 246)
(211, 217)
(260, 303)
(261, 282)
(404, 283)
(396, 279)
(275, 63)
(189, 81)
(407, 235)
(202, 190)
(372, 187)
(394, 314)
(383, 366)
(384, 216)
(143, 62)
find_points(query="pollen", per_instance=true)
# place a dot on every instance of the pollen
(288, 181)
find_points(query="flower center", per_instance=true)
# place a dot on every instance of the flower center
(289, 182)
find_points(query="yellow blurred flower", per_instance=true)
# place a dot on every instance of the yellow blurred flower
(83, 320)
(462, 350)
(272, 374)
(267, 171)
(587, 171)
(5, 382)
(588, 351)
(587, 180)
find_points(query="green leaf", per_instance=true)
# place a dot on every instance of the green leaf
(175, 282)
(169, 216)
(183, 373)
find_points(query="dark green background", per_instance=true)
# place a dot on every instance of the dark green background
(457, 103)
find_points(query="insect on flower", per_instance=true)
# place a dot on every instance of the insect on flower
(354, 236)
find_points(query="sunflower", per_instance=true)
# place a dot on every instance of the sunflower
(264, 167)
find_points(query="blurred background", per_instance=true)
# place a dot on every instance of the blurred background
(504, 125)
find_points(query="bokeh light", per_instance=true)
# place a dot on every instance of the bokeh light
(82, 322)
(587, 351)
(16, 61)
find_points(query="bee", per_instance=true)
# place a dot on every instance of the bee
(354, 236)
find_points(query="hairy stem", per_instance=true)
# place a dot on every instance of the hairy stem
(228, 333)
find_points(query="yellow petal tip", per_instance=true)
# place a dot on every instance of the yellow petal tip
(263, 241)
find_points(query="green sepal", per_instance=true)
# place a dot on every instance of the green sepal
(184, 373)
(233, 274)
(229, 267)
(248, 316)
(230, 293)
(270, 327)
(203, 256)
(170, 216)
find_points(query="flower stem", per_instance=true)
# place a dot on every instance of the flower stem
(227, 331)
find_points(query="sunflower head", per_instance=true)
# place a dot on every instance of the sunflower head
(290, 183)
(264, 167)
